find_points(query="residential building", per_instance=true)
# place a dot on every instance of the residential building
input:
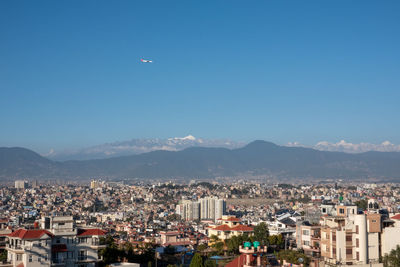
(229, 226)
(20, 184)
(60, 243)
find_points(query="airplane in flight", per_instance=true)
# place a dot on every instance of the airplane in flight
(146, 60)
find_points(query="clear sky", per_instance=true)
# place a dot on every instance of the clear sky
(306, 71)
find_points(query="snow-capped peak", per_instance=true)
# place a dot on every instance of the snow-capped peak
(187, 138)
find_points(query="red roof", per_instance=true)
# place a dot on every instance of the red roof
(30, 234)
(222, 227)
(396, 217)
(243, 228)
(240, 261)
(20, 265)
(59, 248)
(90, 232)
(240, 227)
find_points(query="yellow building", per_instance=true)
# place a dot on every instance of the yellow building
(229, 226)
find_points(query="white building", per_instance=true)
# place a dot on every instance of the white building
(20, 184)
(59, 244)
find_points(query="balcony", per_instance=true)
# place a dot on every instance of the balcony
(97, 244)
(82, 258)
(58, 262)
(14, 248)
(318, 237)
(6, 264)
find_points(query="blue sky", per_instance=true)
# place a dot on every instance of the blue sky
(282, 71)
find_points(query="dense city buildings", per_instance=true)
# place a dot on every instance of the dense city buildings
(67, 224)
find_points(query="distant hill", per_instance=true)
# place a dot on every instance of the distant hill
(256, 158)
(139, 146)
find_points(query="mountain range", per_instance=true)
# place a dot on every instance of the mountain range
(139, 146)
(143, 145)
(255, 159)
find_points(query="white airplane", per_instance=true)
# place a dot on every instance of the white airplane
(146, 60)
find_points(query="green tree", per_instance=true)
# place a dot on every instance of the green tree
(362, 204)
(393, 258)
(197, 261)
(276, 241)
(3, 256)
(210, 263)
(219, 247)
(110, 253)
(293, 256)
(261, 233)
(201, 247)
(214, 238)
(235, 241)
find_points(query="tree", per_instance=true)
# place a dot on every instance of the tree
(201, 247)
(219, 247)
(261, 233)
(214, 238)
(293, 257)
(210, 263)
(393, 259)
(362, 204)
(235, 241)
(197, 261)
(3, 256)
(276, 241)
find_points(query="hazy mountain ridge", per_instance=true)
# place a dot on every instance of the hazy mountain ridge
(348, 147)
(144, 145)
(139, 146)
(256, 158)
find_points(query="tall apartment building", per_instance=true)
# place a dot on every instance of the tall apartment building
(350, 237)
(190, 210)
(308, 238)
(20, 184)
(59, 243)
(95, 184)
(210, 208)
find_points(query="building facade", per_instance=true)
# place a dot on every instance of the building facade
(59, 243)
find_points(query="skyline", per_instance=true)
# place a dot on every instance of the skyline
(71, 75)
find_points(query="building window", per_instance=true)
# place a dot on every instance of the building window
(333, 237)
(306, 232)
(348, 238)
(357, 229)
(82, 255)
(30, 258)
(374, 221)
(349, 251)
(358, 255)
(357, 243)
(341, 211)
(19, 257)
(39, 258)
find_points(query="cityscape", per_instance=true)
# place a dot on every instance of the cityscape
(199, 133)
